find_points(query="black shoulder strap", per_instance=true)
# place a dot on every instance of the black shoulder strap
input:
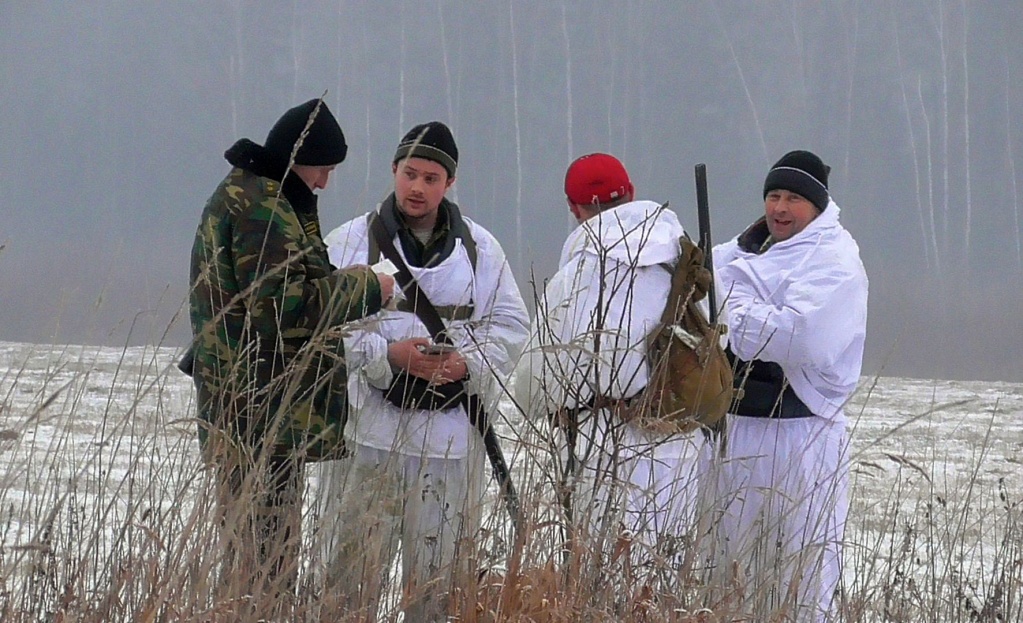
(420, 303)
(374, 248)
(461, 230)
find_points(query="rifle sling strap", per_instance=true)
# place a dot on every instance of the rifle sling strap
(424, 309)
(416, 298)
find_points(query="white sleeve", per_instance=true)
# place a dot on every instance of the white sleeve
(802, 321)
(553, 372)
(366, 354)
(365, 349)
(348, 244)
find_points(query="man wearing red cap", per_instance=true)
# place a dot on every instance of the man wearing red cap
(796, 310)
(587, 358)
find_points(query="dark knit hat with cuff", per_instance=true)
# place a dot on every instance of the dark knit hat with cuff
(324, 143)
(432, 141)
(803, 173)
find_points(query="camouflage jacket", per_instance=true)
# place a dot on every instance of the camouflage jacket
(266, 308)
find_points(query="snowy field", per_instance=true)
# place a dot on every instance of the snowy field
(95, 437)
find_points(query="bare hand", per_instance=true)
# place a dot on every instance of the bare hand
(386, 288)
(436, 368)
(386, 281)
(453, 369)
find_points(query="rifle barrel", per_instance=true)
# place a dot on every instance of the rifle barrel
(703, 214)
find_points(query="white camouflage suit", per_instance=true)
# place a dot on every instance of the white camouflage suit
(413, 475)
(783, 482)
(589, 339)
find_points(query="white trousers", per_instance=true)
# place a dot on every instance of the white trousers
(643, 488)
(374, 501)
(783, 488)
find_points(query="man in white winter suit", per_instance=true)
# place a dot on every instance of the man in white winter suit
(634, 484)
(415, 475)
(795, 299)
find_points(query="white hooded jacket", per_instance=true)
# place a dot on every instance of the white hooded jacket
(803, 305)
(490, 341)
(592, 324)
(589, 338)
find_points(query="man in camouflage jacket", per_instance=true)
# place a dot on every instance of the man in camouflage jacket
(266, 310)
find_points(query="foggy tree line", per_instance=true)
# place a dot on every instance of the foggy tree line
(113, 139)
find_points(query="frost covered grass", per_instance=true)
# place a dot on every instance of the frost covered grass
(107, 512)
(936, 524)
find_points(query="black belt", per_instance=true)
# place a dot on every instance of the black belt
(769, 400)
(763, 391)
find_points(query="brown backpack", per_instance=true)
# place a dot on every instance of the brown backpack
(690, 382)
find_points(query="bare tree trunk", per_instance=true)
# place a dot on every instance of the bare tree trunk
(296, 50)
(945, 240)
(912, 145)
(447, 79)
(1012, 162)
(518, 138)
(237, 71)
(928, 147)
(850, 91)
(401, 77)
(742, 80)
(966, 129)
(569, 221)
(568, 84)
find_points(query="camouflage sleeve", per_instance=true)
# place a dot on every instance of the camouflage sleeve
(272, 267)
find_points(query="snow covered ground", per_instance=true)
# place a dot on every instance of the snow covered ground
(89, 433)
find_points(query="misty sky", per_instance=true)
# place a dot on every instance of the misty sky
(115, 117)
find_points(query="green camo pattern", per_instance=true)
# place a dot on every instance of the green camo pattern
(268, 311)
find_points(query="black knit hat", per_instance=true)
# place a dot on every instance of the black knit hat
(323, 145)
(803, 173)
(432, 141)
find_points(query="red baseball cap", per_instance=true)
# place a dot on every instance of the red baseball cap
(596, 178)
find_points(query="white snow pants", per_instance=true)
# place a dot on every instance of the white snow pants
(375, 498)
(642, 487)
(783, 487)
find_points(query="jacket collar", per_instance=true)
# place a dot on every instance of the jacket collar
(255, 159)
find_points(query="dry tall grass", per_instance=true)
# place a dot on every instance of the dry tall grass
(107, 514)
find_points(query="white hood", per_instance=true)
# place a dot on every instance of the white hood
(589, 337)
(644, 226)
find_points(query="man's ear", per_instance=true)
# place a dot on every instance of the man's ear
(394, 168)
(451, 180)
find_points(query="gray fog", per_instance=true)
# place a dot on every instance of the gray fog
(115, 117)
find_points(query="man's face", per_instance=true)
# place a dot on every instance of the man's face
(419, 186)
(787, 213)
(315, 177)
